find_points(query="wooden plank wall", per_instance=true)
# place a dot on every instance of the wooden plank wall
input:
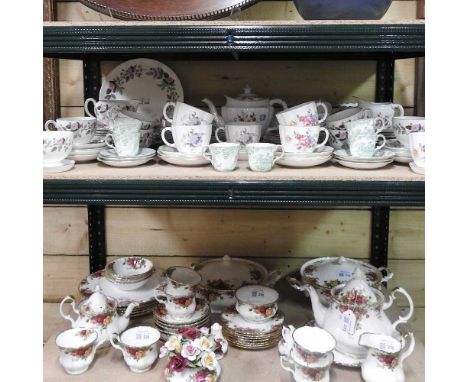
(278, 239)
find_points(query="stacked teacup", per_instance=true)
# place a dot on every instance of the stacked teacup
(179, 308)
(364, 151)
(299, 130)
(191, 132)
(307, 353)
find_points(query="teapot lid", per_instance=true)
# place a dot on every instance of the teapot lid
(97, 302)
(247, 95)
(357, 291)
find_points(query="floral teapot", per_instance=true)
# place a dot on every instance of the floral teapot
(355, 308)
(247, 107)
(98, 312)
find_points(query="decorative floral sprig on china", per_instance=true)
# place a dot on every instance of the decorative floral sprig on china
(195, 348)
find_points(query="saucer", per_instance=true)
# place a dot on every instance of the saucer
(363, 165)
(62, 166)
(417, 169)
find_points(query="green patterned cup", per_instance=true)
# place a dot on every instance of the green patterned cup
(263, 156)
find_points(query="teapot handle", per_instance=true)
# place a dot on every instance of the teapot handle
(405, 318)
(389, 274)
(71, 300)
(280, 102)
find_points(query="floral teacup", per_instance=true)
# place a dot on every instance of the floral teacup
(256, 303)
(83, 128)
(138, 346)
(189, 139)
(243, 133)
(262, 156)
(187, 115)
(56, 145)
(179, 307)
(299, 139)
(77, 349)
(223, 156)
(126, 137)
(403, 126)
(418, 148)
(305, 114)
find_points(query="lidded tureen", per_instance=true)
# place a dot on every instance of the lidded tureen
(355, 308)
(246, 107)
(98, 312)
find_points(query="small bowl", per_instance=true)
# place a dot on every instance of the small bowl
(56, 146)
(256, 303)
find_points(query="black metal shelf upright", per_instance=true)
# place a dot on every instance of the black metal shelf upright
(94, 43)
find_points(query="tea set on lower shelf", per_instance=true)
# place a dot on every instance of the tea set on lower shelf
(350, 328)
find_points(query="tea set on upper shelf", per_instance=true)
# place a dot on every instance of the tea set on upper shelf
(350, 328)
(139, 97)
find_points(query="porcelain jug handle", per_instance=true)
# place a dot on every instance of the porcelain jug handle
(71, 300)
(217, 131)
(86, 108)
(325, 114)
(51, 122)
(280, 149)
(280, 102)
(409, 349)
(406, 317)
(115, 340)
(400, 109)
(165, 110)
(327, 135)
(388, 276)
(163, 137)
(383, 143)
(283, 360)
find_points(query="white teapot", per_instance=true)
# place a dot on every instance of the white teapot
(384, 362)
(98, 312)
(355, 308)
(247, 107)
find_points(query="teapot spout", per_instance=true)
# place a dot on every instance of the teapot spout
(218, 119)
(318, 308)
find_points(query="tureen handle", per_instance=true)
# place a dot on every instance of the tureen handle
(71, 300)
(280, 102)
(283, 360)
(388, 272)
(406, 317)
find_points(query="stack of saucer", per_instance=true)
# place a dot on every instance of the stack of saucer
(402, 153)
(111, 158)
(173, 156)
(307, 159)
(86, 152)
(169, 325)
(248, 335)
(380, 159)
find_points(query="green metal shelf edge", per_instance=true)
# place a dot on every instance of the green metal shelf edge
(311, 38)
(277, 193)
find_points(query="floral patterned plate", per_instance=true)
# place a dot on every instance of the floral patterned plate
(144, 79)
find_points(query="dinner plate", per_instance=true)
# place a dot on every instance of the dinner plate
(143, 79)
(362, 165)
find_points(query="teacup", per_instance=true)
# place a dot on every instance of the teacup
(77, 349)
(187, 115)
(364, 126)
(262, 156)
(364, 145)
(308, 345)
(126, 137)
(319, 372)
(188, 139)
(181, 281)
(56, 145)
(83, 128)
(418, 148)
(138, 346)
(223, 156)
(256, 303)
(106, 110)
(243, 133)
(403, 126)
(338, 119)
(305, 114)
(299, 139)
(179, 307)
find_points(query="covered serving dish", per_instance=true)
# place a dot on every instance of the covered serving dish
(324, 273)
(221, 278)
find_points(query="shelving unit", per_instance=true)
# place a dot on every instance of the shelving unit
(96, 186)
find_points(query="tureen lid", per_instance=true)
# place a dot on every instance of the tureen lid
(97, 302)
(229, 273)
